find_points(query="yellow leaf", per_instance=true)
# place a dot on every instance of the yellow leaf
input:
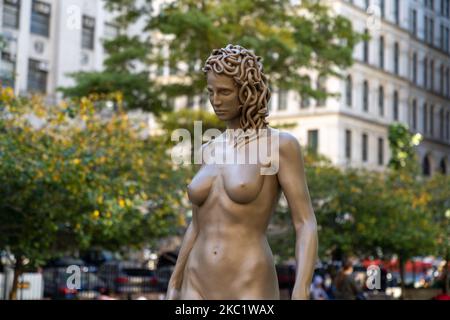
(100, 199)
(95, 214)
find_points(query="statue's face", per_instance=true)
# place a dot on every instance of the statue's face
(223, 95)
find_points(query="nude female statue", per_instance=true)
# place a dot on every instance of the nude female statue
(225, 253)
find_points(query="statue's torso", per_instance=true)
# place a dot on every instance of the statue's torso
(231, 257)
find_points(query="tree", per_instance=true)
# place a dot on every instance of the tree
(402, 144)
(288, 36)
(72, 177)
(437, 190)
(126, 68)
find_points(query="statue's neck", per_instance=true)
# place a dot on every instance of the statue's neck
(234, 123)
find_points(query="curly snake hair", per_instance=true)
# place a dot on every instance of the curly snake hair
(247, 70)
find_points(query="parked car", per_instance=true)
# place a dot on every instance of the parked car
(125, 277)
(94, 258)
(286, 276)
(57, 284)
(163, 275)
(64, 262)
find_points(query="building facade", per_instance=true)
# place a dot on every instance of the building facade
(48, 39)
(402, 74)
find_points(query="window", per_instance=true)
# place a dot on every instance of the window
(173, 68)
(40, 18)
(425, 72)
(366, 96)
(441, 123)
(447, 126)
(111, 30)
(7, 70)
(190, 102)
(380, 151)
(431, 37)
(203, 102)
(426, 170)
(348, 144)
(447, 77)
(305, 101)
(447, 40)
(321, 81)
(432, 74)
(364, 147)
(442, 37)
(11, 14)
(395, 105)
(414, 68)
(414, 23)
(443, 166)
(88, 33)
(282, 100)
(348, 91)
(382, 8)
(381, 52)
(426, 27)
(381, 100)
(397, 11)
(37, 76)
(366, 46)
(432, 120)
(425, 118)
(442, 79)
(414, 114)
(396, 58)
(313, 140)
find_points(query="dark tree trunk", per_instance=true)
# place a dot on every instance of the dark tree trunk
(17, 273)
(445, 278)
(401, 266)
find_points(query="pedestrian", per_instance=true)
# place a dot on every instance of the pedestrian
(345, 286)
(317, 289)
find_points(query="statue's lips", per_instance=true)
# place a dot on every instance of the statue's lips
(220, 111)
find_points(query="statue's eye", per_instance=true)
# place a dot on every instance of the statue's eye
(226, 92)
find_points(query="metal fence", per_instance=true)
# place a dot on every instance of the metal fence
(30, 285)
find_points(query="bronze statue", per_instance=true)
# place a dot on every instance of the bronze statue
(225, 253)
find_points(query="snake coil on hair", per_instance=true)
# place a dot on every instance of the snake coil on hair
(247, 70)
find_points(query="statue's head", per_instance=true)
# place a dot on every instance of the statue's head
(237, 86)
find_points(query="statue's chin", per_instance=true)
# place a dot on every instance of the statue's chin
(223, 116)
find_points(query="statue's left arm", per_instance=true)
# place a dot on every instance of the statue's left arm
(291, 176)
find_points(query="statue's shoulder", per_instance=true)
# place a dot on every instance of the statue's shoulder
(287, 140)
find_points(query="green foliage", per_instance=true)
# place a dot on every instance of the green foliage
(402, 143)
(138, 93)
(369, 213)
(71, 178)
(125, 67)
(288, 37)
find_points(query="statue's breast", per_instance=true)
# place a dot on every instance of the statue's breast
(241, 183)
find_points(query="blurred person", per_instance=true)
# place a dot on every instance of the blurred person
(317, 289)
(345, 285)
